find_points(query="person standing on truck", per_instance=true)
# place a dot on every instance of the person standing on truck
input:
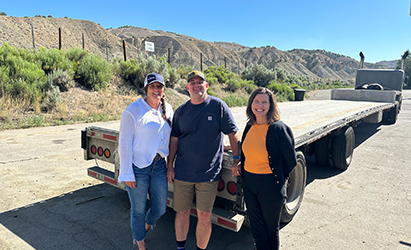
(196, 144)
(267, 158)
(145, 129)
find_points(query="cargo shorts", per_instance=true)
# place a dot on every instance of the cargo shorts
(184, 192)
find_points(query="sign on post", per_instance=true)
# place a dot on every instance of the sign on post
(149, 46)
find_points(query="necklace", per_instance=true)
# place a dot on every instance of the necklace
(261, 123)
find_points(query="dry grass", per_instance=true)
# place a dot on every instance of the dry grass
(79, 105)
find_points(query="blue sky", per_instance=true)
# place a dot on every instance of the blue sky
(379, 28)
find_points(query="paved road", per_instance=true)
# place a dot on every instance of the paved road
(48, 201)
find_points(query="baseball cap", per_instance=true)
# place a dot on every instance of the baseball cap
(194, 74)
(152, 78)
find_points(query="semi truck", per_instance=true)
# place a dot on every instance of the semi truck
(321, 128)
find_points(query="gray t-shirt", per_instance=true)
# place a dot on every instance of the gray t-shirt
(200, 130)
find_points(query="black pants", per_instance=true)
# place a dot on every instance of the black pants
(264, 199)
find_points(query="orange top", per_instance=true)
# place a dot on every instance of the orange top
(255, 150)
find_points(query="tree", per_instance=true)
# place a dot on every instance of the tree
(259, 74)
(407, 70)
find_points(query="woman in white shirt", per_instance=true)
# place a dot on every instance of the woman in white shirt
(143, 145)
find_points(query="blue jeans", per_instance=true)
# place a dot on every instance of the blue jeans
(151, 180)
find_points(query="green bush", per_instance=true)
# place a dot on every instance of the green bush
(234, 101)
(282, 91)
(221, 73)
(94, 72)
(248, 85)
(173, 78)
(134, 71)
(233, 86)
(130, 70)
(75, 55)
(53, 59)
(60, 79)
(19, 76)
(183, 71)
(210, 78)
(52, 98)
(260, 75)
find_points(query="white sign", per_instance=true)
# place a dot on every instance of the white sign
(149, 46)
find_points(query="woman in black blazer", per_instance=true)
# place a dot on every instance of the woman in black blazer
(267, 158)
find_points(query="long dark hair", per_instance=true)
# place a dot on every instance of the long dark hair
(273, 113)
(163, 107)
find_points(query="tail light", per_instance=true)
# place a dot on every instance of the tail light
(221, 185)
(232, 188)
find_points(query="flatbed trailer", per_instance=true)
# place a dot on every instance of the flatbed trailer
(322, 128)
(310, 121)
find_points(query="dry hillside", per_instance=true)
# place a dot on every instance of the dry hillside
(183, 49)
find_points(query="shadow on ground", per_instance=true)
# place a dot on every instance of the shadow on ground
(98, 218)
(362, 132)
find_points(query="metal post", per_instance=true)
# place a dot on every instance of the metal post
(168, 57)
(32, 36)
(82, 37)
(124, 50)
(229, 77)
(201, 61)
(59, 38)
(107, 49)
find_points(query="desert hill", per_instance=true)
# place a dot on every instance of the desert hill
(182, 49)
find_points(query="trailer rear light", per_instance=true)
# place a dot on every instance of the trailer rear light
(107, 153)
(231, 188)
(221, 185)
(93, 149)
(100, 151)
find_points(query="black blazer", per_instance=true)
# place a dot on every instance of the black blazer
(280, 148)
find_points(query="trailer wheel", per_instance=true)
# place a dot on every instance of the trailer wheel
(322, 151)
(295, 189)
(342, 148)
(393, 114)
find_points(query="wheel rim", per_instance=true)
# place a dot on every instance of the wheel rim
(294, 188)
(349, 149)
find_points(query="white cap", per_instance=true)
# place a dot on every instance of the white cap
(152, 78)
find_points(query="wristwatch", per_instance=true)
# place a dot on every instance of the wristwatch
(236, 157)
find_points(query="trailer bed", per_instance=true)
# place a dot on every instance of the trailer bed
(310, 120)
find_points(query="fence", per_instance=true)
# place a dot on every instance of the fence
(127, 49)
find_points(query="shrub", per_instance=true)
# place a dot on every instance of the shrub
(53, 59)
(233, 86)
(259, 74)
(19, 77)
(221, 73)
(234, 101)
(130, 71)
(52, 98)
(94, 72)
(282, 91)
(248, 85)
(174, 76)
(60, 79)
(183, 71)
(75, 55)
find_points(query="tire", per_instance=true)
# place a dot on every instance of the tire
(342, 148)
(393, 114)
(322, 151)
(295, 189)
